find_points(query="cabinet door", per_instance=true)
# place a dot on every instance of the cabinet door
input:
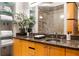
(59, 51)
(41, 49)
(51, 51)
(56, 51)
(71, 52)
(31, 51)
(71, 12)
(17, 47)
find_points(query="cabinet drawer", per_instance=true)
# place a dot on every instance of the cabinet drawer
(31, 52)
(31, 44)
(41, 49)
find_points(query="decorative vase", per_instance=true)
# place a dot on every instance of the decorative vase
(22, 30)
(29, 31)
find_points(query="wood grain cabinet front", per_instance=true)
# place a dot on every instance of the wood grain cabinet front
(51, 51)
(29, 48)
(56, 51)
(31, 51)
(41, 49)
(71, 11)
(71, 52)
(59, 51)
(17, 47)
(24, 47)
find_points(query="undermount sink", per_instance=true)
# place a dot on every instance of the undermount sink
(51, 39)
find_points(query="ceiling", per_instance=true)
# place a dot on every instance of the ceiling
(50, 4)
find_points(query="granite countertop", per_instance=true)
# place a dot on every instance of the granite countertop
(73, 44)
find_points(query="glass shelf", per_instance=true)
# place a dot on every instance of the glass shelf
(9, 4)
(3, 12)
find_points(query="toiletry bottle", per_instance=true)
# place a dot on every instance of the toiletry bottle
(69, 36)
(27, 34)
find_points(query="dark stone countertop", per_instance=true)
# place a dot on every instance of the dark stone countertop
(72, 44)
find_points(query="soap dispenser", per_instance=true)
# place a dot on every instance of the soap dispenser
(68, 36)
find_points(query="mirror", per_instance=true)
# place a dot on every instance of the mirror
(50, 17)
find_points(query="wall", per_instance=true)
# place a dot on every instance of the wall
(20, 7)
(78, 19)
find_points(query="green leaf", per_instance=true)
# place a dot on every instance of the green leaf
(24, 20)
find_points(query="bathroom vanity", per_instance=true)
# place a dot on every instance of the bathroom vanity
(24, 46)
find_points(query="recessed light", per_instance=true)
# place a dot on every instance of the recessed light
(61, 16)
(40, 17)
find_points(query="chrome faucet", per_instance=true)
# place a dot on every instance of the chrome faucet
(56, 35)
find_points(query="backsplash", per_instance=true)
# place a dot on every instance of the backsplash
(74, 37)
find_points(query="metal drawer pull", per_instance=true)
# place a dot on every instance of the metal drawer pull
(32, 48)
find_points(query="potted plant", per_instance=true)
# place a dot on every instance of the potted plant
(31, 23)
(25, 23)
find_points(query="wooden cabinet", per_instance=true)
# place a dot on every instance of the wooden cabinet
(56, 51)
(59, 51)
(23, 48)
(72, 15)
(70, 25)
(29, 48)
(41, 49)
(17, 47)
(71, 10)
(51, 51)
(71, 52)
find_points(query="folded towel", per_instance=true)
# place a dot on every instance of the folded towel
(6, 41)
(5, 17)
(5, 33)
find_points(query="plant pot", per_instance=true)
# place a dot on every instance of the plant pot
(29, 30)
(22, 31)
